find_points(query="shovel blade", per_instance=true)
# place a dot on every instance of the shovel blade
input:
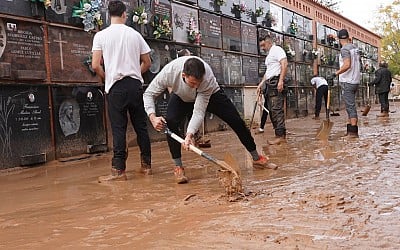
(324, 130)
(366, 110)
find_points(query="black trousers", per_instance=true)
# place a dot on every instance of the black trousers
(126, 96)
(220, 105)
(384, 101)
(264, 115)
(322, 91)
(276, 106)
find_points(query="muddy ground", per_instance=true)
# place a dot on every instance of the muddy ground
(343, 194)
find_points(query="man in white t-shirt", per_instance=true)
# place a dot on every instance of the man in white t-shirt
(126, 56)
(321, 86)
(273, 78)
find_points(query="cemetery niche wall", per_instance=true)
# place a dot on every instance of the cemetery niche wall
(78, 113)
(24, 117)
(22, 54)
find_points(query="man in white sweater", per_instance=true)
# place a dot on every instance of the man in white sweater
(194, 89)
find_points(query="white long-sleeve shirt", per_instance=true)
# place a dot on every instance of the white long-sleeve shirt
(171, 76)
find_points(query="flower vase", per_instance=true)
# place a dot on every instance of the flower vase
(267, 23)
(217, 8)
(237, 14)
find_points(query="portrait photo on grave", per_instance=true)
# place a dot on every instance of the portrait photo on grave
(68, 116)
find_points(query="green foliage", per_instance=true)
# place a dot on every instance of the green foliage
(388, 27)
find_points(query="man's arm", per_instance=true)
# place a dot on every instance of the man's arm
(284, 65)
(96, 64)
(346, 65)
(145, 62)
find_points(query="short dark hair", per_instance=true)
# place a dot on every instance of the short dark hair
(194, 67)
(265, 37)
(116, 8)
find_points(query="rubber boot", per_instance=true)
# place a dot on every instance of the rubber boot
(353, 131)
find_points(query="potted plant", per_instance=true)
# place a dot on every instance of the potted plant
(89, 11)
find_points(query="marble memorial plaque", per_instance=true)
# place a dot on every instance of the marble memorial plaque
(60, 11)
(227, 8)
(21, 50)
(25, 117)
(236, 96)
(250, 70)
(262, 13)
(207, 4)
(160, 18)
(70, 53)
(276, 16)
(194, 51)
(185, 26)
(232, 70)
(248, 15)
(160, 55)
(21, 8)
(214, 58)
(261, 67)
(249, 38)
(78, 119)
(210, 27)
(231, 34)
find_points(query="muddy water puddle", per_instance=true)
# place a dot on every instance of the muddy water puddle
(339, 194)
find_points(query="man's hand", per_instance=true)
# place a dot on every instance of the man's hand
(259, 88)
(188, 141)
(279, 87)
(158, 122)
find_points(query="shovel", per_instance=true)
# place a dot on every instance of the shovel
(254, 112)
(368, 107)
(326, 126)
(229, 177)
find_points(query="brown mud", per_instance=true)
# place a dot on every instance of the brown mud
(338, 194)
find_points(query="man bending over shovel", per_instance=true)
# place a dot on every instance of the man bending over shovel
(194, 89)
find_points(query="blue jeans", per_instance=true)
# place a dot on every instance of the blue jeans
(349, 96)
(126, 95)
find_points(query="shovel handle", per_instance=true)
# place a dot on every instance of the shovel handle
(191, 147)
(328, 101)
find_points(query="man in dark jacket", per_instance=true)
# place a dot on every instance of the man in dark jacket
(382, 81)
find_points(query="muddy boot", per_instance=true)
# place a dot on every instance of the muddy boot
(180, 177)
(352, 131)
(383, 114)
(145, 168)
(116, 175)
(278, 140)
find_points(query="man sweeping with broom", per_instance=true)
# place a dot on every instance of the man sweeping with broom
(194, 89)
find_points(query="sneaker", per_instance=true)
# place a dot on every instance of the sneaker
(260, 131)
(262, 163)
(316, 118)
(278, 140)
(180, 177)
(116, 175)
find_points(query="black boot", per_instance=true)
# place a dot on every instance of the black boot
(352, 131)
